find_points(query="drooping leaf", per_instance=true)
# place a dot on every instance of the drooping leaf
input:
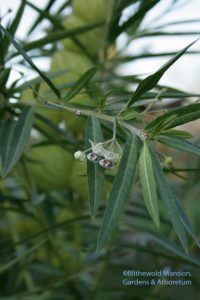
(120, 190)
(179, 256)
(14, 138)
(148, 184)
(179, 144)
(81, 83)
(29, 60)
(95, 172)
(184, 115)
(165, 243)
(187, 224)
(174, 249)
(151, 81)
(168, 200)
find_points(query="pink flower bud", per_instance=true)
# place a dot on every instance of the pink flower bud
(92, 157)
(106, 164)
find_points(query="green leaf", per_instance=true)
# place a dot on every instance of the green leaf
(151, 81)
(166, 244)
(13, 27)
(4, 75)
(81, 83)
(165, 33)
(128, 114)
(95, 172)
(168, 200)
(60, 35)
(38, 80)
(179, 144)
(157, 252)
(183, 115)
(134, 21)
(21, 257)
(162, 125)
(29, 60)
(148, 183)
(149, 55)
(14, 137)
(120, 190)
(2, 54)
(176, 133)
(187, 224)
(44, 14)
(174, 249)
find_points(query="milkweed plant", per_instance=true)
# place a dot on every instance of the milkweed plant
(114, 129)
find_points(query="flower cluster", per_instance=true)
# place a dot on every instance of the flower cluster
(99, 154)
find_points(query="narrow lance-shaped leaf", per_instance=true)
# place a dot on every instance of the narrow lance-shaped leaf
(176, 133)
(187, 224)
(168, 200)
(134, 21)
(173, 248)
(60, 35)
(15, 23)
(7, 130)
(42, 15)
(183, 115)
(2, 54)
(38, 80)
(4, 75)
(29, 60)
(120, 190)
(4, 267)
(148, 183)
(162, 125)
(81, 83)
(95, 172)
(15, 138)
(151, 81)
(165, 243)
(179, 144)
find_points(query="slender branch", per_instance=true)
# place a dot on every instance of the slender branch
(88, 112)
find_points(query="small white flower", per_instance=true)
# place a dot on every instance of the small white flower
(78, 113)
(97, 148)
(79, 155)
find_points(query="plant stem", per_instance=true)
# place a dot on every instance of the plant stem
(88, 112)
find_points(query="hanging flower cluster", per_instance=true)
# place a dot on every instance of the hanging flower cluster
(106, 158)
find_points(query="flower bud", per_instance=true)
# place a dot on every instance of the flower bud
(106, 164)
(169, 162)
(79, 155)
(92, 157)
